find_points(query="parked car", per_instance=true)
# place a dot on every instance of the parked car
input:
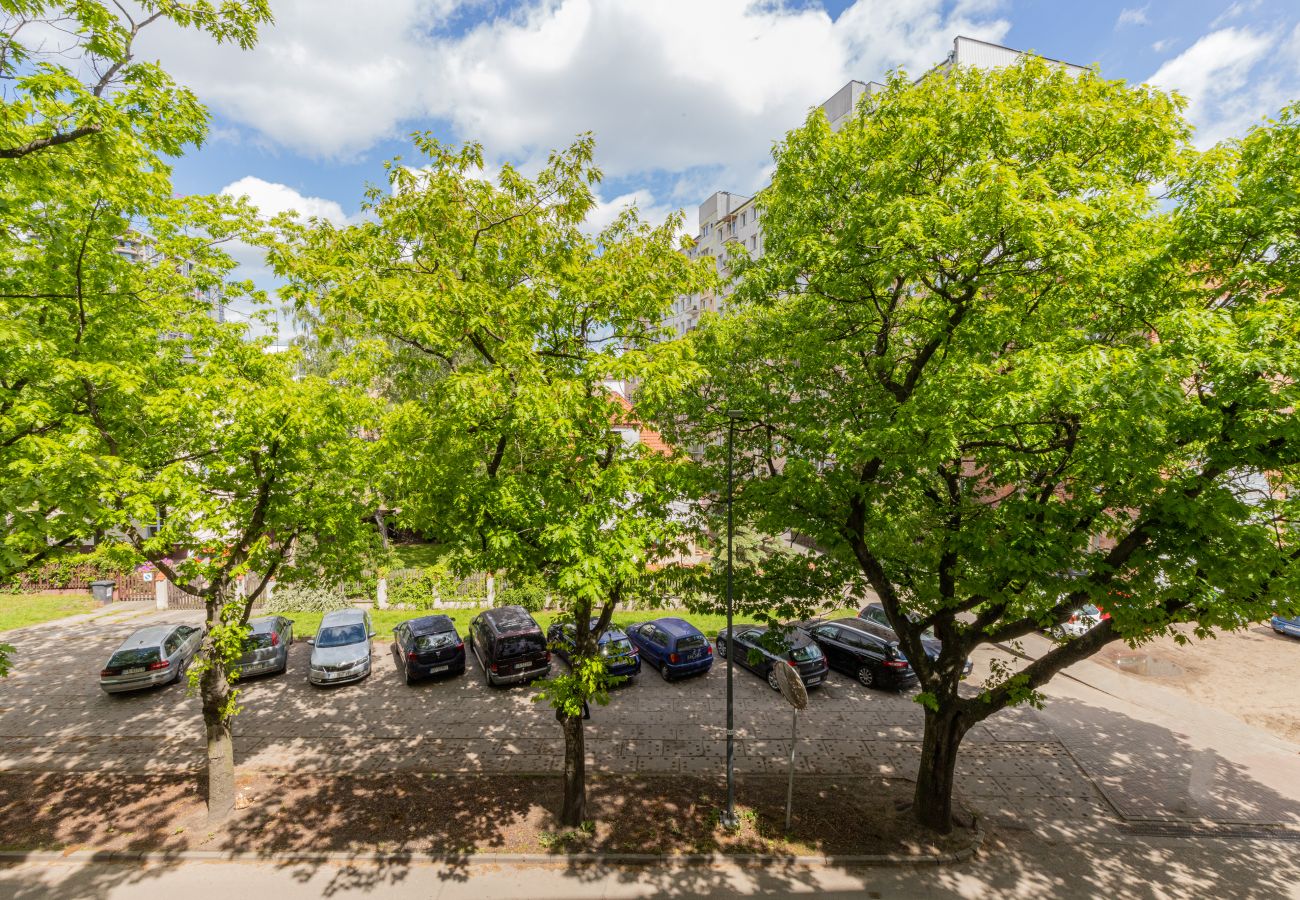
(850, 647)
(674, 646)
(802, 652)
(509, 645)
(878, 624)
(621, 657)
(1081, 621)
(341, 649)
(266, 649)
(428, 646)
(1286, 626)
(154, 655)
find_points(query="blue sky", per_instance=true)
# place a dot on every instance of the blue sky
(685, 96)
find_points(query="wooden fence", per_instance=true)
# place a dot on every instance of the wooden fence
(128, 586)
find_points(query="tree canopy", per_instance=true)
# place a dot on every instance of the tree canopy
(500, 332)
(993, 373)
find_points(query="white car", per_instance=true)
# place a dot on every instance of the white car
(1081, 621)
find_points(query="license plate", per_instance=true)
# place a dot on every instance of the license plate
(814, 680)
(135, 671)
(523, 665)
(439, 669)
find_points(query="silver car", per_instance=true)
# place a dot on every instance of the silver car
(341, 648)
(266, 649)
(158, 654)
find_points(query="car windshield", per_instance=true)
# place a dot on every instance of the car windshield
(341, 635)
(690, 642)
(141, 656)
(434, 641)
(1090, 610)
(521, 645)
(616, 647)
(804, 654)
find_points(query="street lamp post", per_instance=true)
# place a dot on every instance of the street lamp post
(729, 817)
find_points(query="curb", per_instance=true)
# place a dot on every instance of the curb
(148, 857)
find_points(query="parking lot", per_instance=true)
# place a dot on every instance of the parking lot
(53, 716)
(1089, 756)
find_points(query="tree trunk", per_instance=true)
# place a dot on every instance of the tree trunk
(932, 805)
(575, 774)
(214, 691)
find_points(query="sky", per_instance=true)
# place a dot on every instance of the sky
(685, 97)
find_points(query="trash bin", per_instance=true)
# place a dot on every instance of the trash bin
(102, 591)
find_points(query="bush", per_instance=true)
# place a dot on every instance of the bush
(530, 593)
(306, 598)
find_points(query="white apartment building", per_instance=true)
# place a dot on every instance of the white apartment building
(136, 247)
(726, 217)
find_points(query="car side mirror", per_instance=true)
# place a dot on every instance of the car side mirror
(372, 634)
(311, 642)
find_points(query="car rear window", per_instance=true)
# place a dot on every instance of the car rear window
(258, 641)
(341, 635)
(690, 642)
(126, 659)
(804, 654)
(618, 646)
(520, 645)
(434, 641)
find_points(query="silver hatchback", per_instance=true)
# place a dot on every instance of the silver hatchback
(158, 654)
(266, 649)
(341, 648)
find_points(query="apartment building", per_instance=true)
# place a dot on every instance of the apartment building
(137, 247)
(727, 217)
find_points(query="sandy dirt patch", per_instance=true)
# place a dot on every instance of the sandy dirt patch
(1252, 674)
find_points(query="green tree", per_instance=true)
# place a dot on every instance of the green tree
(493, 324)
(84, 131)
(241, 466)
(982, 367)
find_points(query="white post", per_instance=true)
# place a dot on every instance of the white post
(159, 590)
(491, 589)
(381, 593)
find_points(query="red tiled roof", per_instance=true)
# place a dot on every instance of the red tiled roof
(648, 436)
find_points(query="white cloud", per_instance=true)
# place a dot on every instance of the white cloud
(328, 79)
(272, 198)
(1227, 88)
(666, 85)
(1133, 16)
(1235, 11)
(1163, 44)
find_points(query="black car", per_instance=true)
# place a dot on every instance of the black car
(621, 658)
(802, 652)
(428, 646)
(877, 621)
(851, 648)
(509, 645)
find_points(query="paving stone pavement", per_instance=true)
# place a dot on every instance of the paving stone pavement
(54, 717)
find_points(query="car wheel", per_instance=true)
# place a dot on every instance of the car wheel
(722, 649)
(663, 670)
(771, 679)
(867, 677)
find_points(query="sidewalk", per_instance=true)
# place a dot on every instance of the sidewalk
(1020, 867)
(1158, 755)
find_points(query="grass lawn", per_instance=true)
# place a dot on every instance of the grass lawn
(21, 610)
(305, 624)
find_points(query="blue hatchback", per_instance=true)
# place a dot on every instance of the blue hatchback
(674, 646)
(1286, 626)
